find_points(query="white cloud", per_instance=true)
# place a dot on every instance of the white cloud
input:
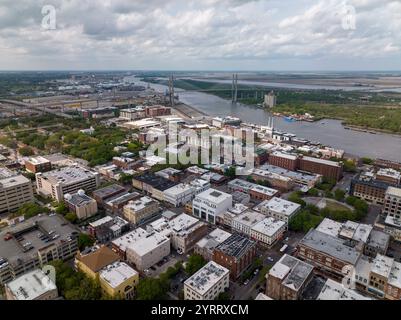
(209, 33)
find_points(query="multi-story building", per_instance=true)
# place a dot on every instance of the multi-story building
(285, 179)
(15, 190)
(133, 113)
(34, 285)
(153, 185)
(108, 228)
(255, 191)
(327, 253)
(280, 209)
(270, 100)
(33, 243)
(392, 212)
(102, 195)
(125, 163)
(38, 164)
(210, 204)
(228, 120)
(79, 203)
(207, 283)
(119, 280)
(57, 183)
(268, 231)
(179, 194)
(93, 260)
(142, 248)
(390, 176)
(333, 290)
(380, 278)
(236, 254)
(288, 278)
(284, 160)
(368, 188)
(244, 222)
(170, 174)
(140, 210)
(157, 111)
(183, 230)
(116, 204)
(206, 245)
(326, 168)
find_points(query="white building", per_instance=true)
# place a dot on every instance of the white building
(179, 194)
(184, 231)
(57, 183)
(392, 211)
(270, 100)
(333, 290)
(182, 193)
(133, 113)
(144, 249)
(207, 283)
(280, 209)
(268, 231)
(244, 222)
(211, 203)
(35, 285)
(15, 190)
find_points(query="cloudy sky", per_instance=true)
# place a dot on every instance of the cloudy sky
(202, 35)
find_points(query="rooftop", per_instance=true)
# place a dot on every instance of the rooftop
(292, 271)
(285, 155)
(236, 246)
(268, 226)
(213, 239)
(156, 182)
(249, 218)
(37, 160)
(203, 280)
(214, 196)
(281, 206)
(31, 285)
(99, 258)
(330, 245)
(68, 175)
(140, 204)
(330, 227)
(116, 273)
(13, 181)
(395, 192)
(333, 290)
(33, 235)
(322, 161)
(78, 199)
(131, 237)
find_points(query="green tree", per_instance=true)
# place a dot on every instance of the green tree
(367, 161)
(150, 289)
(339, 195)
(295, 197)
(230, 172)
(313, 192)
(195, 262)
(85, 241)
(71, 217)
(61, 208)
(29, 210)
(26, 151)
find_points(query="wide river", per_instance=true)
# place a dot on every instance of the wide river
(329, 132)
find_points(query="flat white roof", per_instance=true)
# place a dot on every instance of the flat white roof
(130, 238)
(333, 290)
(285, 155)
(31, 285)
(323, 161)
(13, 181)
(214, 196)
(145, 245)
(203, 280)
(116, 273)
(249, 218)
(281, 206)
(382, 265)
(68, 175)
(214, 238)
(179, 189)
(140, 204)
(391, 191)
(38, 160)
(330, 227)
(268, 226)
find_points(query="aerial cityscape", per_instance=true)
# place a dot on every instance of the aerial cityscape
(179, 156)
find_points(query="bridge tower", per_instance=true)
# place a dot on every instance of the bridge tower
(234, 88)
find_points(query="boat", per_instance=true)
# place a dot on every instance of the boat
(289, 119)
